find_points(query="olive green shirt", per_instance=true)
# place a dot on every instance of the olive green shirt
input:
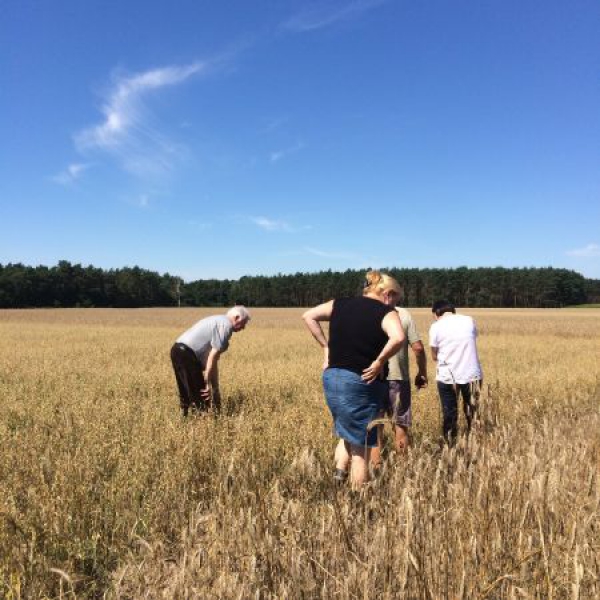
(398, 364)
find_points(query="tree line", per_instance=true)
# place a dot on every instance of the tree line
(68, 285)
(73, 285)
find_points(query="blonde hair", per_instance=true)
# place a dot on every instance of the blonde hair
(378, 283)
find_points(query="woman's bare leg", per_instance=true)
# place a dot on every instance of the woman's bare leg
(342, 455)
(359, 466)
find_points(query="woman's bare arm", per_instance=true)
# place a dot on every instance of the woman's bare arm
(393, 327)
(313, 317)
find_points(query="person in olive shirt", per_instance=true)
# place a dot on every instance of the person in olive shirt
(398, 402)
(364, 332)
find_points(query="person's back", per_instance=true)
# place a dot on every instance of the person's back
(399, 363)
(210, 332)
(453, 346)
(195, 356)
(455, 336)
(356, 335)
(397, 403)
(364, 333)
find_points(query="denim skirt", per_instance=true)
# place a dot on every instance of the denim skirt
(353, 405)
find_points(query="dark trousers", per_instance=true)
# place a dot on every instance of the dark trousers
(190, 380)
(449, 394)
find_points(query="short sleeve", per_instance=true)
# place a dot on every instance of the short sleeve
(411, 332)
(433, 341)
(220, 338)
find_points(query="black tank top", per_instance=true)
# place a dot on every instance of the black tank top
(355, 334)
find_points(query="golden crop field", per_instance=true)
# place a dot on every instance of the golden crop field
(106, 492)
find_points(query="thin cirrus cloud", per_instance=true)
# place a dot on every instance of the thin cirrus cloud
(273, 124)
(70, 174)
(326, 14)
(125, 131)
(279, 154)
(589, 251)
(330, 255)
(271, 224)
(268, 224)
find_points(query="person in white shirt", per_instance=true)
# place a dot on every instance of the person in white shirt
(453, 344)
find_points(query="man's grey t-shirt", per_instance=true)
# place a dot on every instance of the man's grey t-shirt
(211, 332)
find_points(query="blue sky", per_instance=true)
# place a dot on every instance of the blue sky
(217, 139)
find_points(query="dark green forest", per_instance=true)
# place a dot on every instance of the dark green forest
(73, 285)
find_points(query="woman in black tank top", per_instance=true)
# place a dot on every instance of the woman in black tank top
(363, 333)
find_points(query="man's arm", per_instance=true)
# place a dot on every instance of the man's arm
(211, 374)
(313, 317)
(433, 342)
(421, 377)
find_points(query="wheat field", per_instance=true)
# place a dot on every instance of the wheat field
(106, 492)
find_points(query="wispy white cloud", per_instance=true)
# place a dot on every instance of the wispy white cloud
(199, 225)
(70, 174)
(270, 224)
(143, 200)
(332, 255)
(125, 130)
(273, 123)
(324, 14)
(589, 251)
(279, 154)
(122, 110)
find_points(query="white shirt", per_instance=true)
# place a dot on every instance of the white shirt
(455, 336)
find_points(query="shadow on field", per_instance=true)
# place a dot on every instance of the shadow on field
(233, 404)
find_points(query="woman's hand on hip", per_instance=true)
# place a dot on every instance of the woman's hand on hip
(373, 370)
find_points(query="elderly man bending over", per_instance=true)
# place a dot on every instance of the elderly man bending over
(195, 357)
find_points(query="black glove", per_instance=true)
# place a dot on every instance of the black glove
(420, 381)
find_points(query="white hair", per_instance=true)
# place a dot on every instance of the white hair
(239, 311)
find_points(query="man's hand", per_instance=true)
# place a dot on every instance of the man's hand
(371, 372)
(421, 381)
(206, 393)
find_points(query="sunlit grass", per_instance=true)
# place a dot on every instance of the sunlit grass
(106, 490)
